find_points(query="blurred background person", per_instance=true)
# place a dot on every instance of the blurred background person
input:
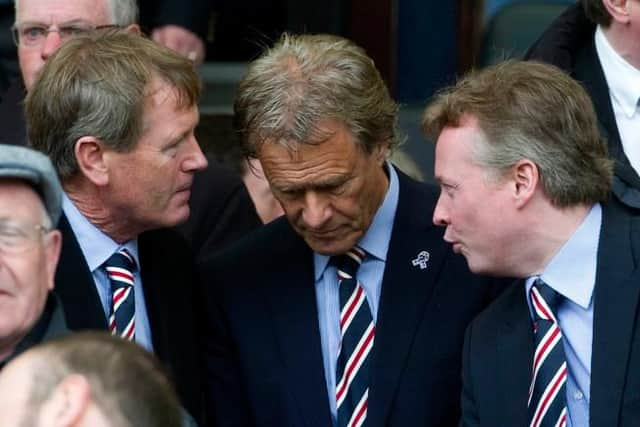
(87, 379)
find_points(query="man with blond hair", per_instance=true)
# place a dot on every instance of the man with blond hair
(525, 181)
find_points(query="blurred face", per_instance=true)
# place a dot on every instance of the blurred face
(267, 206)
(161, 165)
(58, 13)
(15, 386)
(472, 206)
(329, 191)
(28, 259)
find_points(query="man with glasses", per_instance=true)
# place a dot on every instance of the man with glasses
(30, 206)
(221, 209)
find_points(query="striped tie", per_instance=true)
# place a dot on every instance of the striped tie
(357, 332)
(119, 268)
(547, 395)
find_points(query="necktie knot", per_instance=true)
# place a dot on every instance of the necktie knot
(121, 259)
(349, 262)
(545, 301)
(119, 268)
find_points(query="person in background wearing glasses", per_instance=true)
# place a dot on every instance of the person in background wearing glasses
(30, 206)
(39, 29)
(221, 208)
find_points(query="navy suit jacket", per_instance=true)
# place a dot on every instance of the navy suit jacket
(569, 44)
(264, 354)
(168, 279)
(499, 344)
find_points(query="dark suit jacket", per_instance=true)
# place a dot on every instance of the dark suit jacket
(167, 271)
(264, 353)
(569, 44)
(499, 344)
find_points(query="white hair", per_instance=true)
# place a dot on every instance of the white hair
(123, 12)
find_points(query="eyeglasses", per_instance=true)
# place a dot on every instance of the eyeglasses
(17, 237)
(35, 35)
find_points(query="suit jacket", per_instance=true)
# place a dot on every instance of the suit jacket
(168, 280)
(264, 356)
(569, 44)
(221, 210)
(499, 344)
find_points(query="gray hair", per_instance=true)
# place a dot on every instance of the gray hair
(530, 110)
(306, 79)
(123, 12)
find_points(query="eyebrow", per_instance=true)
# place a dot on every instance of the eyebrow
(61, 24)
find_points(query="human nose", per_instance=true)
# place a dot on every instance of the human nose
(195, 160)
(440, 213)
(52, 41)
(316, 210)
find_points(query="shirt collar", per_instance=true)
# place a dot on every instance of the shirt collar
(572, 271)
(376, 240)
(96, 246)
(622, 78)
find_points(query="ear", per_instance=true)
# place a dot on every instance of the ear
(52, 254)
(90, 155)
(68, 402)
(133, 28)
(380, 152)
(619, 10)
(525, 176)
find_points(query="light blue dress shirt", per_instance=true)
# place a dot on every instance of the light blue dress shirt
(376, 243)
(97, 247)
(572, 273)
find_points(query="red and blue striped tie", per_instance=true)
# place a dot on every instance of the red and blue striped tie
(122, 320)
(547, 394)
(357, 333)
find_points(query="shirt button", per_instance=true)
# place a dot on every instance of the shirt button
(578, 395)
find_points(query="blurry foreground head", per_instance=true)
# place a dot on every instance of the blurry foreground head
(87, 379)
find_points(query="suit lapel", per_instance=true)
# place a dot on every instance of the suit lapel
(514, 357)
(615, 305)
(405, 296)
(588, 71)
(75, 286)
(298, 333)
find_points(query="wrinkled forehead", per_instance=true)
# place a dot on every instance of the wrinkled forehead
(92, 12)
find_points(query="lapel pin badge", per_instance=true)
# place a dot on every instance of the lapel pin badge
(421, 260)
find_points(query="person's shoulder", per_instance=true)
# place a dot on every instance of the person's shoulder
(487, 322)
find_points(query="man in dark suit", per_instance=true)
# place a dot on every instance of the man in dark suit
(525, 180)
(116, 113)
(221, 209)
(596, 42)
(316, 113)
